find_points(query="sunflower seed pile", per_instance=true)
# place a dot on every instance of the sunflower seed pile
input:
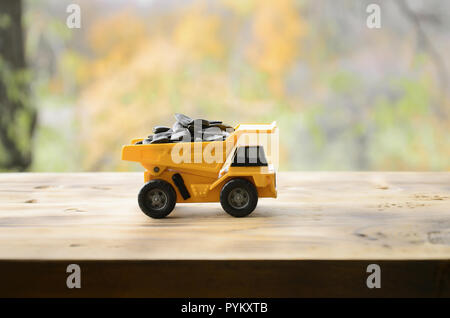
(186, 129)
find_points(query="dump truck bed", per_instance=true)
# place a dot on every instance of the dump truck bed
(201, 158)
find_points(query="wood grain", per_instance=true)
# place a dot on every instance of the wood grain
(316, 239)
(316, 216)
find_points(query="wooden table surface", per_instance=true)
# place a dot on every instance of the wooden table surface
(395, 218)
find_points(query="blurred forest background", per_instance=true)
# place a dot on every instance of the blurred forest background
(345, 97)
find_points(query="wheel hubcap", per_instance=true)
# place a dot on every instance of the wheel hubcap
(157, 199)
(238, 198)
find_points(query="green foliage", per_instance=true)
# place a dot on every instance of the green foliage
(5, 21)
(406, 135)
(16, 117)
(56, 154)
(15, 82)
(343, 82)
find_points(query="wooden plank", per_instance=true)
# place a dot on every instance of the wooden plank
(226, 278)
(317, 216)
(316, 239)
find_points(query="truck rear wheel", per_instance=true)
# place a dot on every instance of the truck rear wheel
(239, 197)
(157, 198)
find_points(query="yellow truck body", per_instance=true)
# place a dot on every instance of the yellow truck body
(204, 177)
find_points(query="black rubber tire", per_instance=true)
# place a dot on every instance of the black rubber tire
(168, 192)
(245, 186)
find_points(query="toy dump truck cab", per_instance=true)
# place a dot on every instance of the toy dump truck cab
(236, 171)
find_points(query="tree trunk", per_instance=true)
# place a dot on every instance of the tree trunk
(17, 117)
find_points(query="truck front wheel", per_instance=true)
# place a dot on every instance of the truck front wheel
(157, 198)
(239, 197)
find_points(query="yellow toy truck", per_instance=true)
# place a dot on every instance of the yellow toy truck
(234, 171)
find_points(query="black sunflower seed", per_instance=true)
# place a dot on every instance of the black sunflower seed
(183, 119)
(212, 131)
(160, 140)
(178, 127)
(214, 138)
(163, 134)
(186, 129)
(203, 123)
(181, 135)
(160, 129)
